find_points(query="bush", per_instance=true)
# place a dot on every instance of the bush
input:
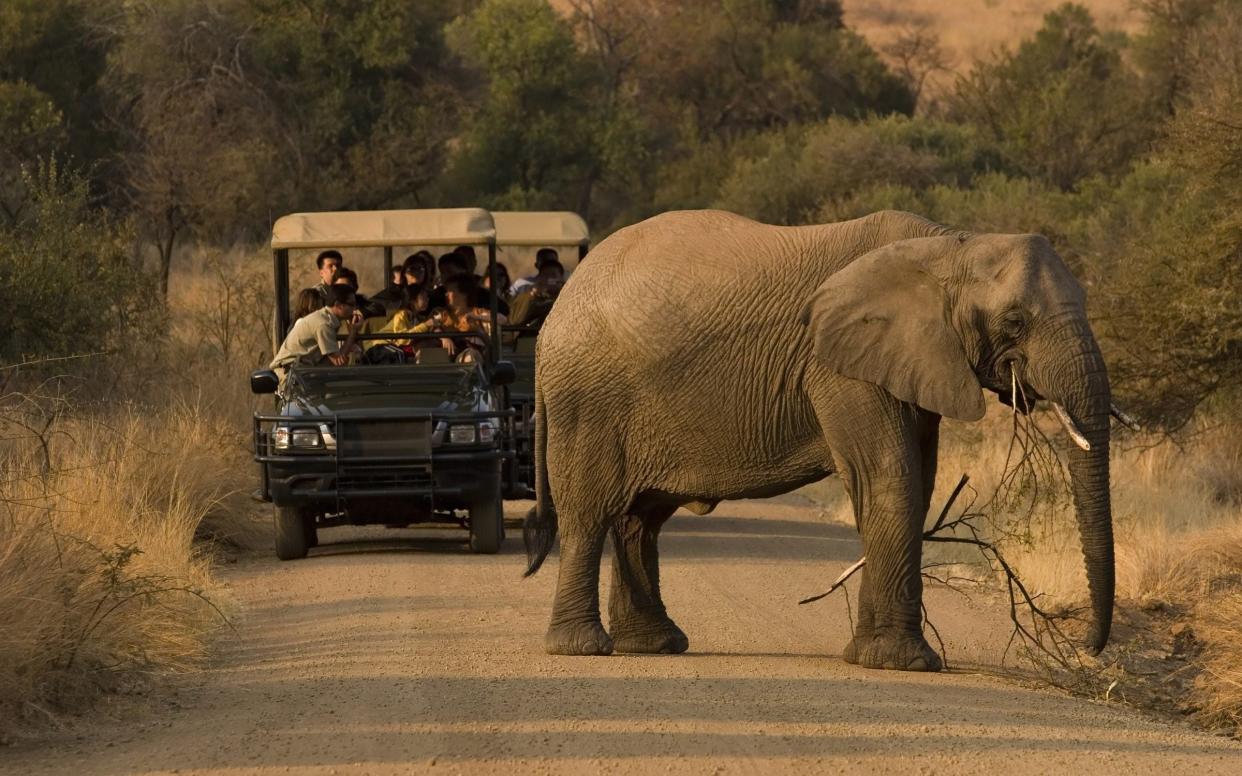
(1064, 106)
(68, 267)
(798, 174)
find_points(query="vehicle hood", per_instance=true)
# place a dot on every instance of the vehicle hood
(335, 390)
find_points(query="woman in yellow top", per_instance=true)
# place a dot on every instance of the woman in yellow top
(458, 316)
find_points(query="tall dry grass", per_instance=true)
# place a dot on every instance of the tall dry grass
(1177, 514)
(119, 476)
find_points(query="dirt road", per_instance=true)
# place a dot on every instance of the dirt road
(406, 654)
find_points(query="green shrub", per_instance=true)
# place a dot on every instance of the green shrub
(800, 174)
(68, 267)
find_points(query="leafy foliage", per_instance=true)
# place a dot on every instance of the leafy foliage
(1064, 106)
(68, 265)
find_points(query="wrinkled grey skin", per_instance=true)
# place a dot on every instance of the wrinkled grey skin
(701, 356)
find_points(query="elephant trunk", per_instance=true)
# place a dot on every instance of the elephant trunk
(1073, 375)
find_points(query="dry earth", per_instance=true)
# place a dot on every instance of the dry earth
(404, 653)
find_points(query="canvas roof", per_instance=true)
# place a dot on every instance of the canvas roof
(363, 228)
(540, 228)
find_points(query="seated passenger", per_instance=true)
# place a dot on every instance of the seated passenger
(313, 342)
(541, 256)
(347, 277)
(451, 265)
(533, 305)
(467, 252)
(413, 312)
(499, 282)
(459, 315)
(392, 294)
(326, 263)
(309, 300)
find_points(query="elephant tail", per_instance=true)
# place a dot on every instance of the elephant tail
(539, 528)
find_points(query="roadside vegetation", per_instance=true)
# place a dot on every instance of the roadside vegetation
(139, 172)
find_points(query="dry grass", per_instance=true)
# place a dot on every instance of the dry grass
(1178, 527)
(113, 474)
(101, 580)
(968, 30)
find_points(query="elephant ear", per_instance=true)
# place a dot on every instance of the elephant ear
(884, 319)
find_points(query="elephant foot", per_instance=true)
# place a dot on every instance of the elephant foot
(662, 637)
(904, 652)
(579, 638)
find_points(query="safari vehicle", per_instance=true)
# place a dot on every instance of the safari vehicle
(422, 441)
(519, 234)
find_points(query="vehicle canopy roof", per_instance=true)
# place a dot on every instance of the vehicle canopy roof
(540, 228)
(378, 228)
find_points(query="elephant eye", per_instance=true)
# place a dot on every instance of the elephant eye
(1013, 323)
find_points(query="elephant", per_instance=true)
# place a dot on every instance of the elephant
(700, 356)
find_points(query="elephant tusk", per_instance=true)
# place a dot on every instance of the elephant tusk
(1013, 388)
(1070, 428)
(1124, 418)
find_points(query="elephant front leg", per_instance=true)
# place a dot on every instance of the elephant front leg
(636, 614)
(576, 628)
(890, 630)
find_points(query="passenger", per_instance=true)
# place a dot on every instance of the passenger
(414, 270)
(309, 300)
(541, 256)
(451, 265)
(327, 263)
(347, 277)
(459, 315)
(500, 283)
(313, 339)
(472, 262)
(393, 293)
(531, 306)
(413, 312)
(429, 267)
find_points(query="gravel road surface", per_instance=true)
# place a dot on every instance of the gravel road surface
(398, 652)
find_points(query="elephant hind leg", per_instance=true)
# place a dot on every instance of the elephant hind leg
(636, 614)
(576, 628)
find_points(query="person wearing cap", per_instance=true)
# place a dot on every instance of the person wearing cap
(313, 339)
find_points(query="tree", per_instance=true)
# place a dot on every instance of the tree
(1064, 106)
(1171, 287)
(533, 142)
(201, 136)
(368, 96)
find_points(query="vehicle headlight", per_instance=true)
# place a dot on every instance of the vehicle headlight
(461, 435)
(306, 438)
(280, 438)
(487, 433)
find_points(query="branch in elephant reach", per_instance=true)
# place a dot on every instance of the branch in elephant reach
(1036, 629)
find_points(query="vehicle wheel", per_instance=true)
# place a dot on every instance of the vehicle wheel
(292, 536)
(487, 525)
(312, 533)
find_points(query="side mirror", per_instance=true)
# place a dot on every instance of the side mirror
(264, 381)
(503, 373)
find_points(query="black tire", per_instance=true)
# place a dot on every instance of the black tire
(312, 533)
(292, 536)
(487, 524)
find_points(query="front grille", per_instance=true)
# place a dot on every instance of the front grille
(366, 438)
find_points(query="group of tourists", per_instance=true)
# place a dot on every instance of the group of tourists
(424, 296)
